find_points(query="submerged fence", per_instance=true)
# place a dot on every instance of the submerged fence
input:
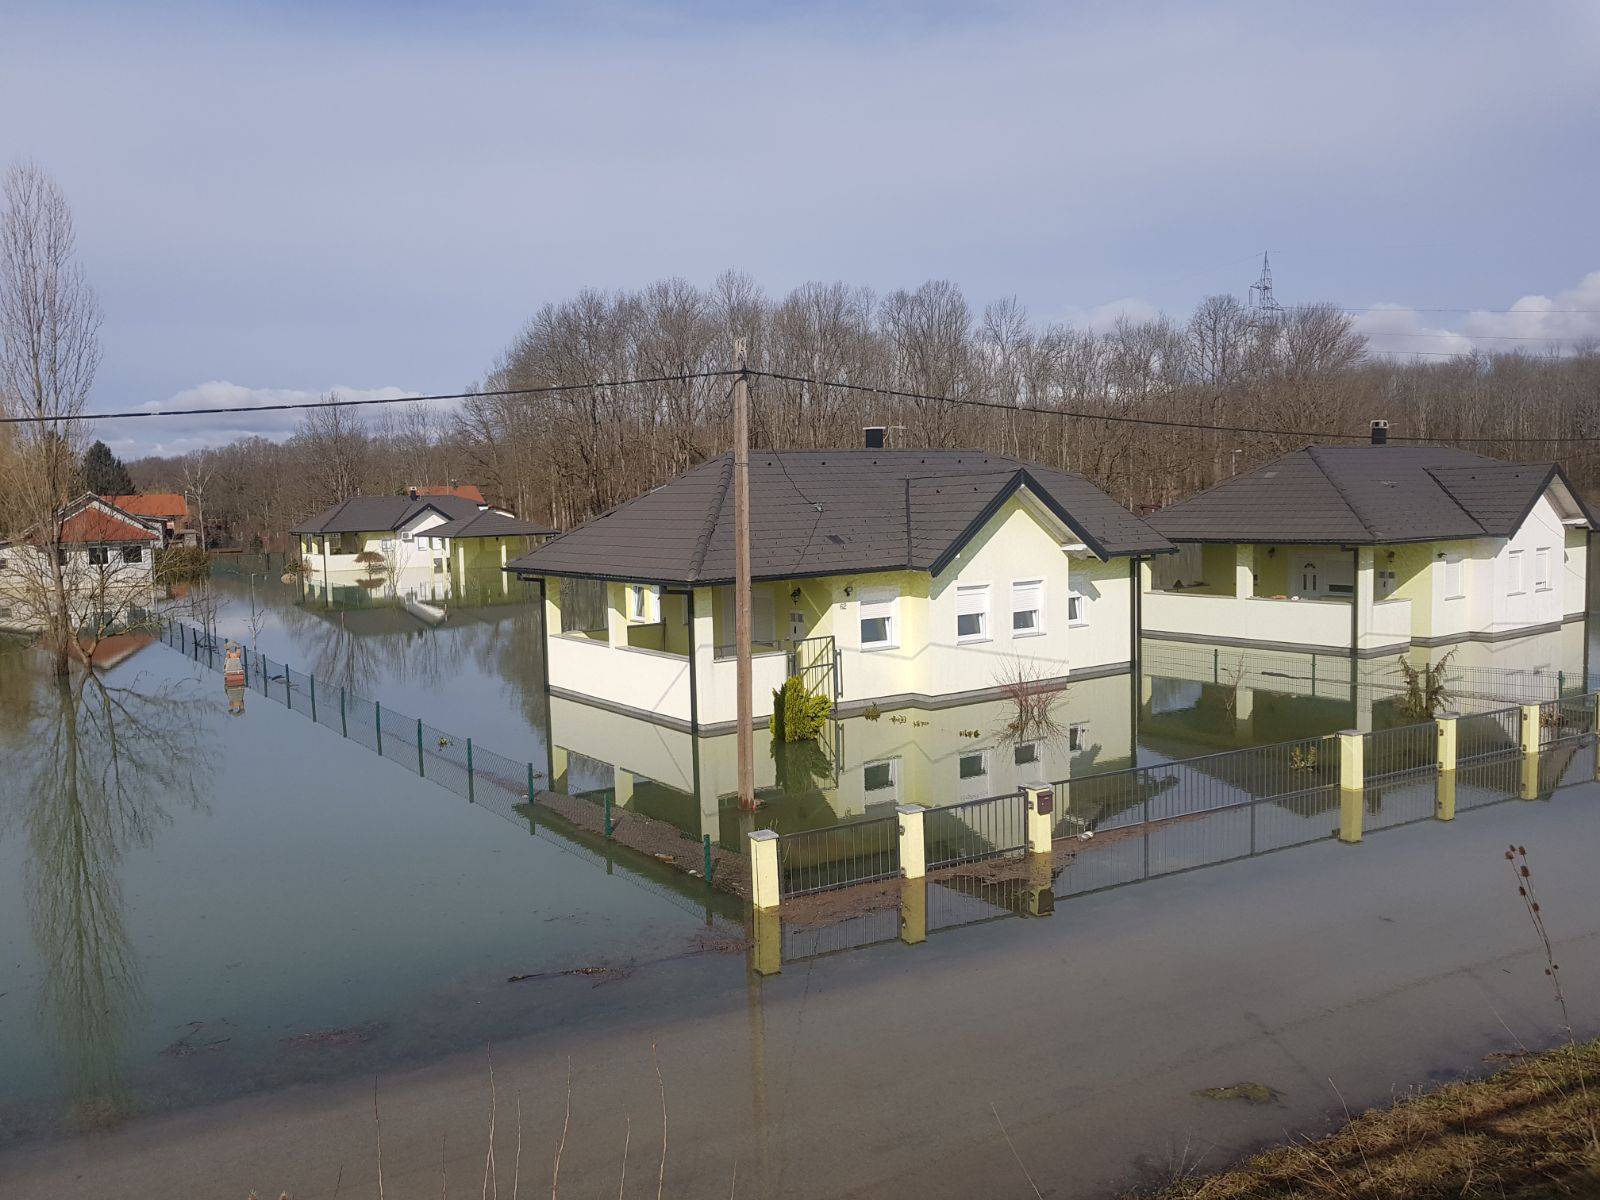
(474, 772)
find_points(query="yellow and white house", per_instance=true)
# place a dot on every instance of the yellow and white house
(885, 579)
(1371, 550)
(413, 535)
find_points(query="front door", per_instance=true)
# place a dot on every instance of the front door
(1310, 578)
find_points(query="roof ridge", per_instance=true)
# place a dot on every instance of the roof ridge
(1311, 453)
(1456, 500)
(713, 512)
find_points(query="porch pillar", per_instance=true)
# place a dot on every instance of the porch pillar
(1244, 571)
(1362, 598)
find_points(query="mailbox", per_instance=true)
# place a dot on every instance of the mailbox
(1045, 801)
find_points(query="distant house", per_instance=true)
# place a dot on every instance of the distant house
(107, 560)
(170, 509)
(461, 491)
(414, 532)
(881, 577)
(1371, 549)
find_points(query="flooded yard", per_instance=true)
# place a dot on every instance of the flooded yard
(222, 921)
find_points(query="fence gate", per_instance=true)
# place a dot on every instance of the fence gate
(974, 830)
(816, 661)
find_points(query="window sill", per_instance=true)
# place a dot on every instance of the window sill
(1027, 633)
(973, 641)
(876, 646)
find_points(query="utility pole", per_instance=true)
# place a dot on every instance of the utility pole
(741, 576)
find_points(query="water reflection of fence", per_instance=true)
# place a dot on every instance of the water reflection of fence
(1569, 716)
(474, 772)
(1390, 753)
(1481, 734)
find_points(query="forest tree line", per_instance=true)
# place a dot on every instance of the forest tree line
(564, 457)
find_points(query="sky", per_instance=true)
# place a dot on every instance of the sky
(275, 200)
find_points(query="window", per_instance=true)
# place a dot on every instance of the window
(1514, 585)
(972, 613)
(974, 765)
(1077, 735)
(1077, 603)
(1024, 753)
(880, 776)
(642, 605)
(99, 556)
(878, 618)
(1541, 569)
(1027, 607)
(1454, 577)
(132, 554)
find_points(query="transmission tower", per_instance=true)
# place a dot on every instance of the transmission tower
(1265, 310)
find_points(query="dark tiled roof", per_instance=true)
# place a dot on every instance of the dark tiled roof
(1363, 494)
(490, 522)
(369, 514)
(826, 512)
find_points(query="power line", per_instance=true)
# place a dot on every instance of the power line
(1159, 422)
(546, 390)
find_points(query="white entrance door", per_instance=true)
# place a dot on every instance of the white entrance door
(1310, 577)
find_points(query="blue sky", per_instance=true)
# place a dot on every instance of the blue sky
(274, 199)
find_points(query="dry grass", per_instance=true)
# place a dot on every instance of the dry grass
(1523, 1132)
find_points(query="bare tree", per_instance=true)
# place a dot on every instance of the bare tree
(49, 352)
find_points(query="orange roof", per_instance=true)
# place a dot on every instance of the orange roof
(97, 525)
(466, 491)
(168, 505)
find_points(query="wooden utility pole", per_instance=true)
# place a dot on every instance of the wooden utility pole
(741, 576)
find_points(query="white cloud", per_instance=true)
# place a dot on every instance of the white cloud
(1395, 329)
(245, 417)
(1572, 316)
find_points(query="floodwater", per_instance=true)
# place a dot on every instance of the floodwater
(199, 909)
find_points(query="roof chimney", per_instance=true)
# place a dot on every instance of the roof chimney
(874, 435)
(1380, 433)
(483, 508)
(411, 492)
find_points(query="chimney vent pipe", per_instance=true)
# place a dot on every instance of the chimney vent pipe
(874, 436)
(1380, 433)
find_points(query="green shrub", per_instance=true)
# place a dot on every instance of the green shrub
(182, 564)
(797, 715)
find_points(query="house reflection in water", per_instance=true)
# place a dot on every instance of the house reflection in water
(861, 766)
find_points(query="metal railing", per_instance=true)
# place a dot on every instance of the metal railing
(973, 830)
(1569, 716)
(815, 660)
(815, 860)
(1404, 750)
(1480, 735)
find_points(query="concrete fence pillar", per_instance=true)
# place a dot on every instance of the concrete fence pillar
(913, 847)
(914, 911)
(766, 941)
(1352, 784)
(765, 891)
(1040, 804)
(1530, 728)
(1444, 803)
(1446, 724)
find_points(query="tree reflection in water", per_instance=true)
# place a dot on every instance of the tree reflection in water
(103, 767)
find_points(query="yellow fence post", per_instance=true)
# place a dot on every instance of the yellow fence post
(914, 910)
(1352, 783)
(764, 889)
(766, 950)
(1446, 723)
(1529, 784)
(913, 850)
(1040, 803)
(1041, 897)
(1530, 728)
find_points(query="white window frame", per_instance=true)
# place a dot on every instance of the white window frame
(983, 761)
(877, 603)
(1542, 581)
(1076, 599)
(1032, 759)
(1516, 585)
(892, 787)
(972, 599)
(1038, 608)
(1454, 564)
(642, 597)
(1077, 735)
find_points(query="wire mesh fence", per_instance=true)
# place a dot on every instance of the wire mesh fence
(974, 830)
(1568, 716)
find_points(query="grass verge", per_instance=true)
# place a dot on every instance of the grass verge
(1526, 1131)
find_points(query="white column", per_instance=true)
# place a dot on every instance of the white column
(1365, 595)
(1244, 570)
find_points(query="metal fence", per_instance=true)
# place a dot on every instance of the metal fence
(1481, 735)
(1405, 750)
(1163, 791)
(815, 860)
(1569, 716)
(974, 830)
